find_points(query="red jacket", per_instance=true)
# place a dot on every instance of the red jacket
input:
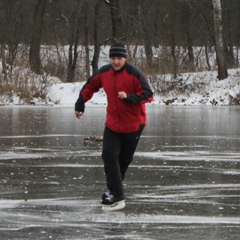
(123, 116)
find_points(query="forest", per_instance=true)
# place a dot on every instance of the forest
(66, 38)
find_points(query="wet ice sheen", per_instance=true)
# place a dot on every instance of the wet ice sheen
(183, 183)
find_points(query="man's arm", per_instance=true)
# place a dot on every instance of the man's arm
(143, 93)
(92, 85)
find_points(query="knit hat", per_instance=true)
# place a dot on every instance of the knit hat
(117, 50)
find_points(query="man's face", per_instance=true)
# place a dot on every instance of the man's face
(117, 62)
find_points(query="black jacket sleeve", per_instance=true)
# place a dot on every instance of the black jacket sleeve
(146, 94)
(79, 105)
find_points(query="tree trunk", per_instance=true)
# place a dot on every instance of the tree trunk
(117, 25)
(4, 66)
(229, 46)
(220, 51)
(73, 45)
(34, 53)
(86, 40)
(174, 60)
(144, 35)
(207, 57)
(186, 22)
(95, 59)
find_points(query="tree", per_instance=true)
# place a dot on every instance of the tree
(95, 59)
(177, 30)
(229, 35)
(144, 34)
(186, 14)
(219, 42)
(86, 36)
(117, 25)
(74, 42)
(34, 53)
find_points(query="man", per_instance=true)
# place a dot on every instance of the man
(127, 92)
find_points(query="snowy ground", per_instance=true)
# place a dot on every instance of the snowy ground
(190, 89)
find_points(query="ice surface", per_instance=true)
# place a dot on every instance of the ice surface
(181, 185)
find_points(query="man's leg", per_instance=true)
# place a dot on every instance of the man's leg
(129, 142)
(110, 153)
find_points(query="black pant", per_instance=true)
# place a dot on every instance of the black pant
(117, 154)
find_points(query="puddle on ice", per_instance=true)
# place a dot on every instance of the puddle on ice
(183, 183)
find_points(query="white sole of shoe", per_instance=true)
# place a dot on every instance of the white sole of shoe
(116, 206)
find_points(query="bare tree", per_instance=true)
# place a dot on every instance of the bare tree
(4, 66)
(95, 59)
(144, 34)
(171, 24)
(86, 37)
(73, 45)
(229, 36)
(117, 25)
(186, 18)
(219, 42)
(34, 53)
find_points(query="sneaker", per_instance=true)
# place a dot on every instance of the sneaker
(112, 204)
(110, 199)
(106, 194)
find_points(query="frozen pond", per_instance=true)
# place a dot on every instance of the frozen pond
(184, 182)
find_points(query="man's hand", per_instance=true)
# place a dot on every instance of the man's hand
(122, 95)
(78, 114)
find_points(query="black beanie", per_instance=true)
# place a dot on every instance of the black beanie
(117, 50)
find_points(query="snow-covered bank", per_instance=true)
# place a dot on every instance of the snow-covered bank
(203, 89)
(197, 89)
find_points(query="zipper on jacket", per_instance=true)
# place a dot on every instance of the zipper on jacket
(117, 101)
